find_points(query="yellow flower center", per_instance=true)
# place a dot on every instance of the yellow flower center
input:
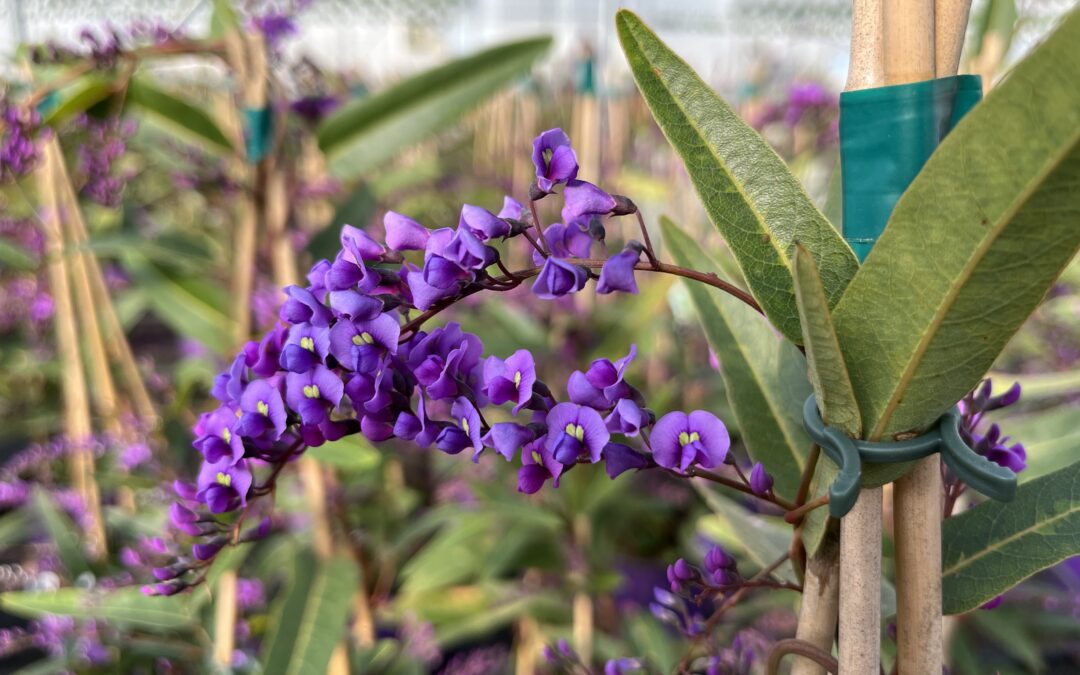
(517, 379)
(224, 479)
(537, 459)
(307, 343)
(311, 390)
(576, 431)
(227, 435)
(465, 425)
(688, 438)
(263, 408)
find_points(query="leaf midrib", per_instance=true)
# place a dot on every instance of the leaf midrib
(307, 624)
(927, 338)
(1001, 543)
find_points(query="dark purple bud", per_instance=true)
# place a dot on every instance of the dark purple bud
(760, 480)
(623, 206)
(559, 278)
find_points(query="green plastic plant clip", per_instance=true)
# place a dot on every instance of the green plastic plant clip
(976, 471)
(258, 127)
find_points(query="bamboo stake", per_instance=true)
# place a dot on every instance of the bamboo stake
(910, 57)
(77, 424)
(820, 606)
(860, 529)
(950, 26)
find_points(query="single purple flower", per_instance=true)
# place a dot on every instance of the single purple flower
(467, 251)
(510, 380)
(583, 200)
(404, 233)
(565, 241)
(680, 440)
(263, 412)
(303, 307)
(423, 294)
(617, 274)
(558, 278)
(607, 377)
(622, 666)
(306, 347)
(512, 209)
(184, 519)
(312, 393)
(224, 486)
(554, 159)
(619, 458)
(360, 345)
(312, 109)
(464, 432)
(627, 418)
(482, 223)
(418, 428)
(216, 436)
(355, 305)
(760, 480)
(575, 433)
(537, 466)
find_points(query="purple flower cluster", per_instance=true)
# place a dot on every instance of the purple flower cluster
(103, 142)
(18, 154)
(991, 444)
(349, 356)
(104, 45)
(720, 573)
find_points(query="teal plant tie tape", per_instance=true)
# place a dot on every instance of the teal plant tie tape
(258, 127)
(886, 135)
(584, 80)
(979, 473)
(48, 103)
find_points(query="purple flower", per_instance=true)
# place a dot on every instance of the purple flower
(583, 200)
(263, 412)
(305, 348)
(510, 380)
(453, 439)
(216, 436)
(312, 109)
(507, 438)
(627, 418)
(417, 428)
(617, 274)
(554, 159)
(482, 223)
(512, 209)
(467, 251)
(558, 278)
(537, 466)
(565, 241)
(423, 294)
(18, 154)
(760, 480)
(360, 345)
(607, 377)
(224, 486)
(619, 458)
(312, 393)
(404, 233)
(992, 446)
(184, 519)
(575, 433)
(303, 307)
(680, 440)
(622, 666)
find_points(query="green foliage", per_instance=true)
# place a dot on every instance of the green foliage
(971, 248)
(994, 546)
(312, 618)
(368, 131)
(78, 97)
(761, 539)
(827, 370)
(759, 207)
(765, 376)
(63, 533)
(123, 607)
(178, 114)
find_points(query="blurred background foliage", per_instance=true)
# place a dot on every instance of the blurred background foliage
(459, 572)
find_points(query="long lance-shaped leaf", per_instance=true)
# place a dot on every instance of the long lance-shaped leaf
(63, 532)
(124, 606)
(371, 130)
(994, 546)
(972, 246)
(759, 207)
(765, 376)
(177, 113)
(311, 621)
(825, 362)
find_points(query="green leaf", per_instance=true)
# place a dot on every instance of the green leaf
(187, 305)
(828, 372)
(63, 532)
(15, 257)
(759, 207)
(351, 453)
(765, 376)
(369, 131)
(311, 620)
(120, 607)
(223, 19)
(989, 549)
(972, 246)
(77, 97)
(1051, 438)
(1043, 385)
(177, 113)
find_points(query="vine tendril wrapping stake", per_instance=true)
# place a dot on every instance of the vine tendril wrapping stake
(978, 472)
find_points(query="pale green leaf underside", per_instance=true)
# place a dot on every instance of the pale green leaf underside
(994, 546)
(764, 375)
(127, 606)
(758, 206)
(828, 373)
(374, 129)
(972, 246)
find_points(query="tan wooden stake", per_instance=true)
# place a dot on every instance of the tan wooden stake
(860, 529)
(950, 27)
(77, 423)
(910, 56)
(820, 605)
